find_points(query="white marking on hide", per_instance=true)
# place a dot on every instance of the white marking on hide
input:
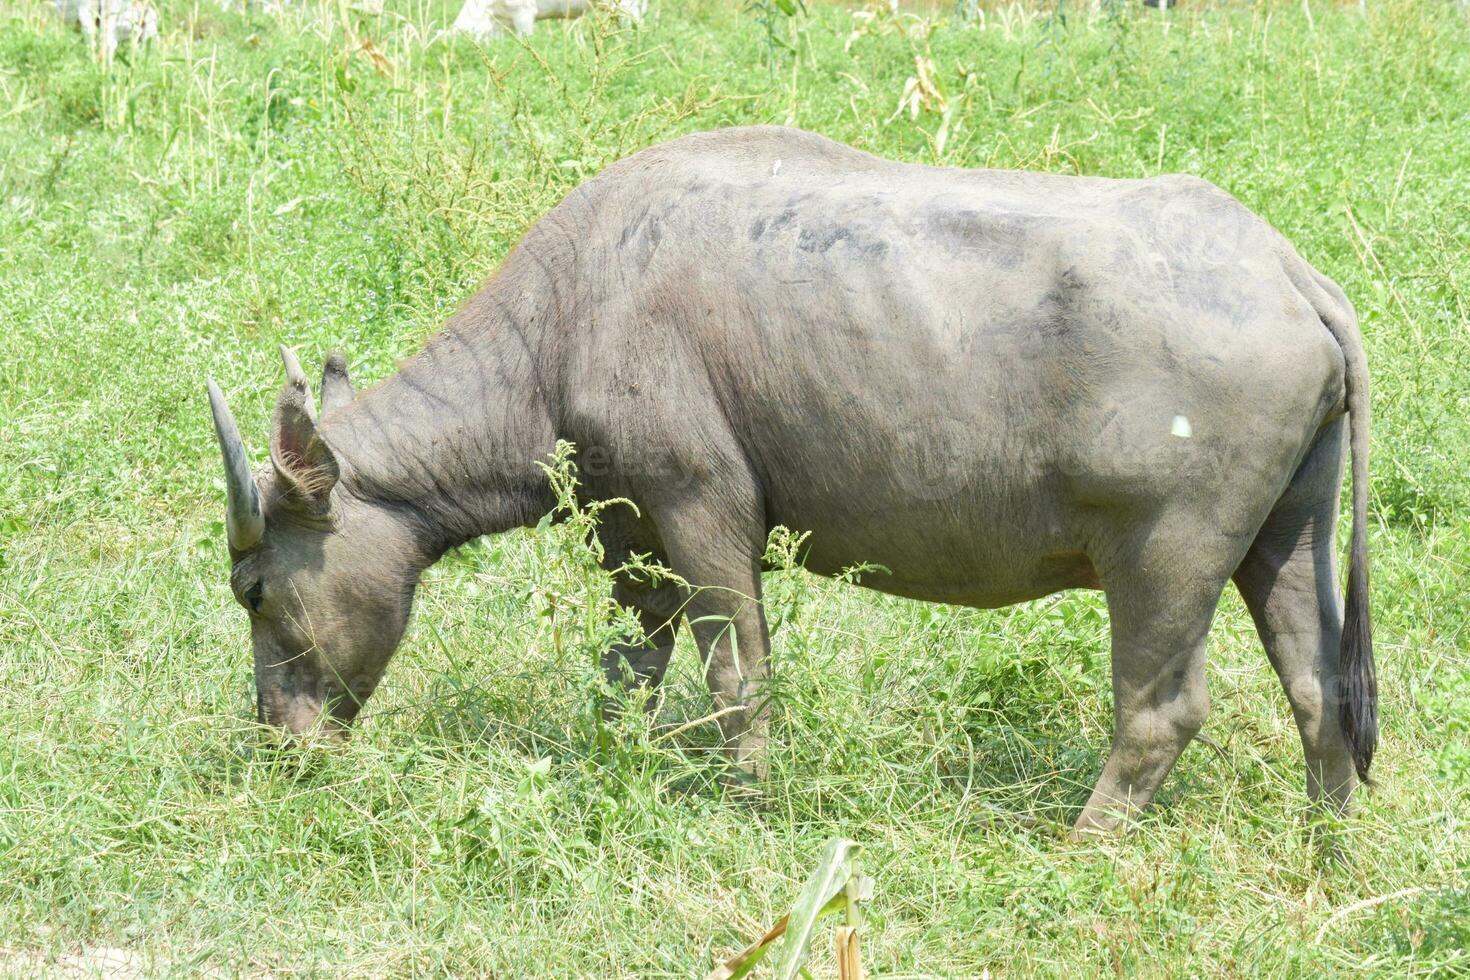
(1181, 427)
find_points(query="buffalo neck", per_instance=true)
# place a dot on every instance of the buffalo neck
(453, 438)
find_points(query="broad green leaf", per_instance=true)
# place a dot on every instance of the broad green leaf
(824, 892)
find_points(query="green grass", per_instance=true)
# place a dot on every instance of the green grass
(246, 182)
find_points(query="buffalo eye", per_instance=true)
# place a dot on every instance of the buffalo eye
(254, 596)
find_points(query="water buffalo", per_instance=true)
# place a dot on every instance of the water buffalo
(110, 24)
(996, 385)
(486, 19)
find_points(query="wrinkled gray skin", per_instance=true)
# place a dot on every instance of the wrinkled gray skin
(997, 385)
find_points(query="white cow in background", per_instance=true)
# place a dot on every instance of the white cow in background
(106, 24)
(489, 18)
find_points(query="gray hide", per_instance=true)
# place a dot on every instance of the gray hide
(997, 385)
(110, 24)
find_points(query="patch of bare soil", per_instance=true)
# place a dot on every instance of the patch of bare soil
(97, 962)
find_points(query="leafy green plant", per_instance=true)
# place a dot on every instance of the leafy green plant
(782, 23)
(585, 619)
(836, 885)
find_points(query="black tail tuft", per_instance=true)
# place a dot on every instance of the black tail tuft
(1356, 671)
(1357, 677)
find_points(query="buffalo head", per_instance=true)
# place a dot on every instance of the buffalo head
(325, 576)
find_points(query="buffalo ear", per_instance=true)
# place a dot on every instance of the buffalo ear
(336, 385)
(301, 457)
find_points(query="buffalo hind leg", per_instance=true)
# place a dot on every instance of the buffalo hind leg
(1160, 609)
(1289, 582)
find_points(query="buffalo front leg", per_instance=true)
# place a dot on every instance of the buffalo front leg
(730, 628)
(717, 551)
(1159, 624)
(658, 610)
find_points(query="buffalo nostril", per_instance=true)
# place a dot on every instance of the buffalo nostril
(345, 709)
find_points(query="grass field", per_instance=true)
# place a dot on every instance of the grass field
(257, 179)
